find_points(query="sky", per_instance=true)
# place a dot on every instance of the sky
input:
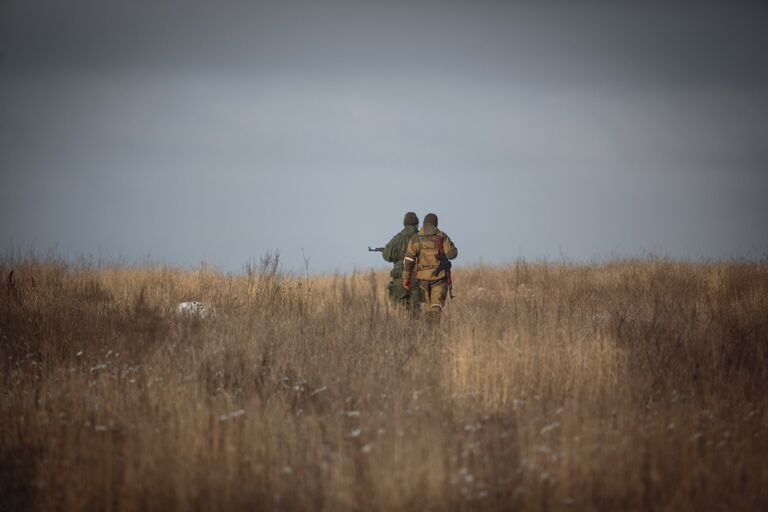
(221, 130)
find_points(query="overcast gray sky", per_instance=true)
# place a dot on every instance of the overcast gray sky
(219, 130)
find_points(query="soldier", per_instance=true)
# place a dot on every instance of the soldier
(394, 252)
(426, 258)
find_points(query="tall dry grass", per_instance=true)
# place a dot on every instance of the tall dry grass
(622, 386)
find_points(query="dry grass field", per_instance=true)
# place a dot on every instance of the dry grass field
(631, 385)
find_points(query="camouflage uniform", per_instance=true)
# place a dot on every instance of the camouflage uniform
(394, 252)
(422, 257)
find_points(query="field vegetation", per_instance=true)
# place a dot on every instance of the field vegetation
(628, 385)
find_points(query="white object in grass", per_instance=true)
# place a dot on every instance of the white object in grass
(194, 308)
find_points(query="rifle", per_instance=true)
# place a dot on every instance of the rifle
(444, 265)
(377, 249)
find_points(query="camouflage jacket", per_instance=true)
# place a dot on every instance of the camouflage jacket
(423, 253)
(394, 251)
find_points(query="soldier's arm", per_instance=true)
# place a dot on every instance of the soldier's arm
(389, 250)
(410, 260)
(450, 249)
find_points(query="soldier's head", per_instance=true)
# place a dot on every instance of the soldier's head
(430, 218)
(410, 219)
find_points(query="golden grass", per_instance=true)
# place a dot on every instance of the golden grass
(622, 386)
